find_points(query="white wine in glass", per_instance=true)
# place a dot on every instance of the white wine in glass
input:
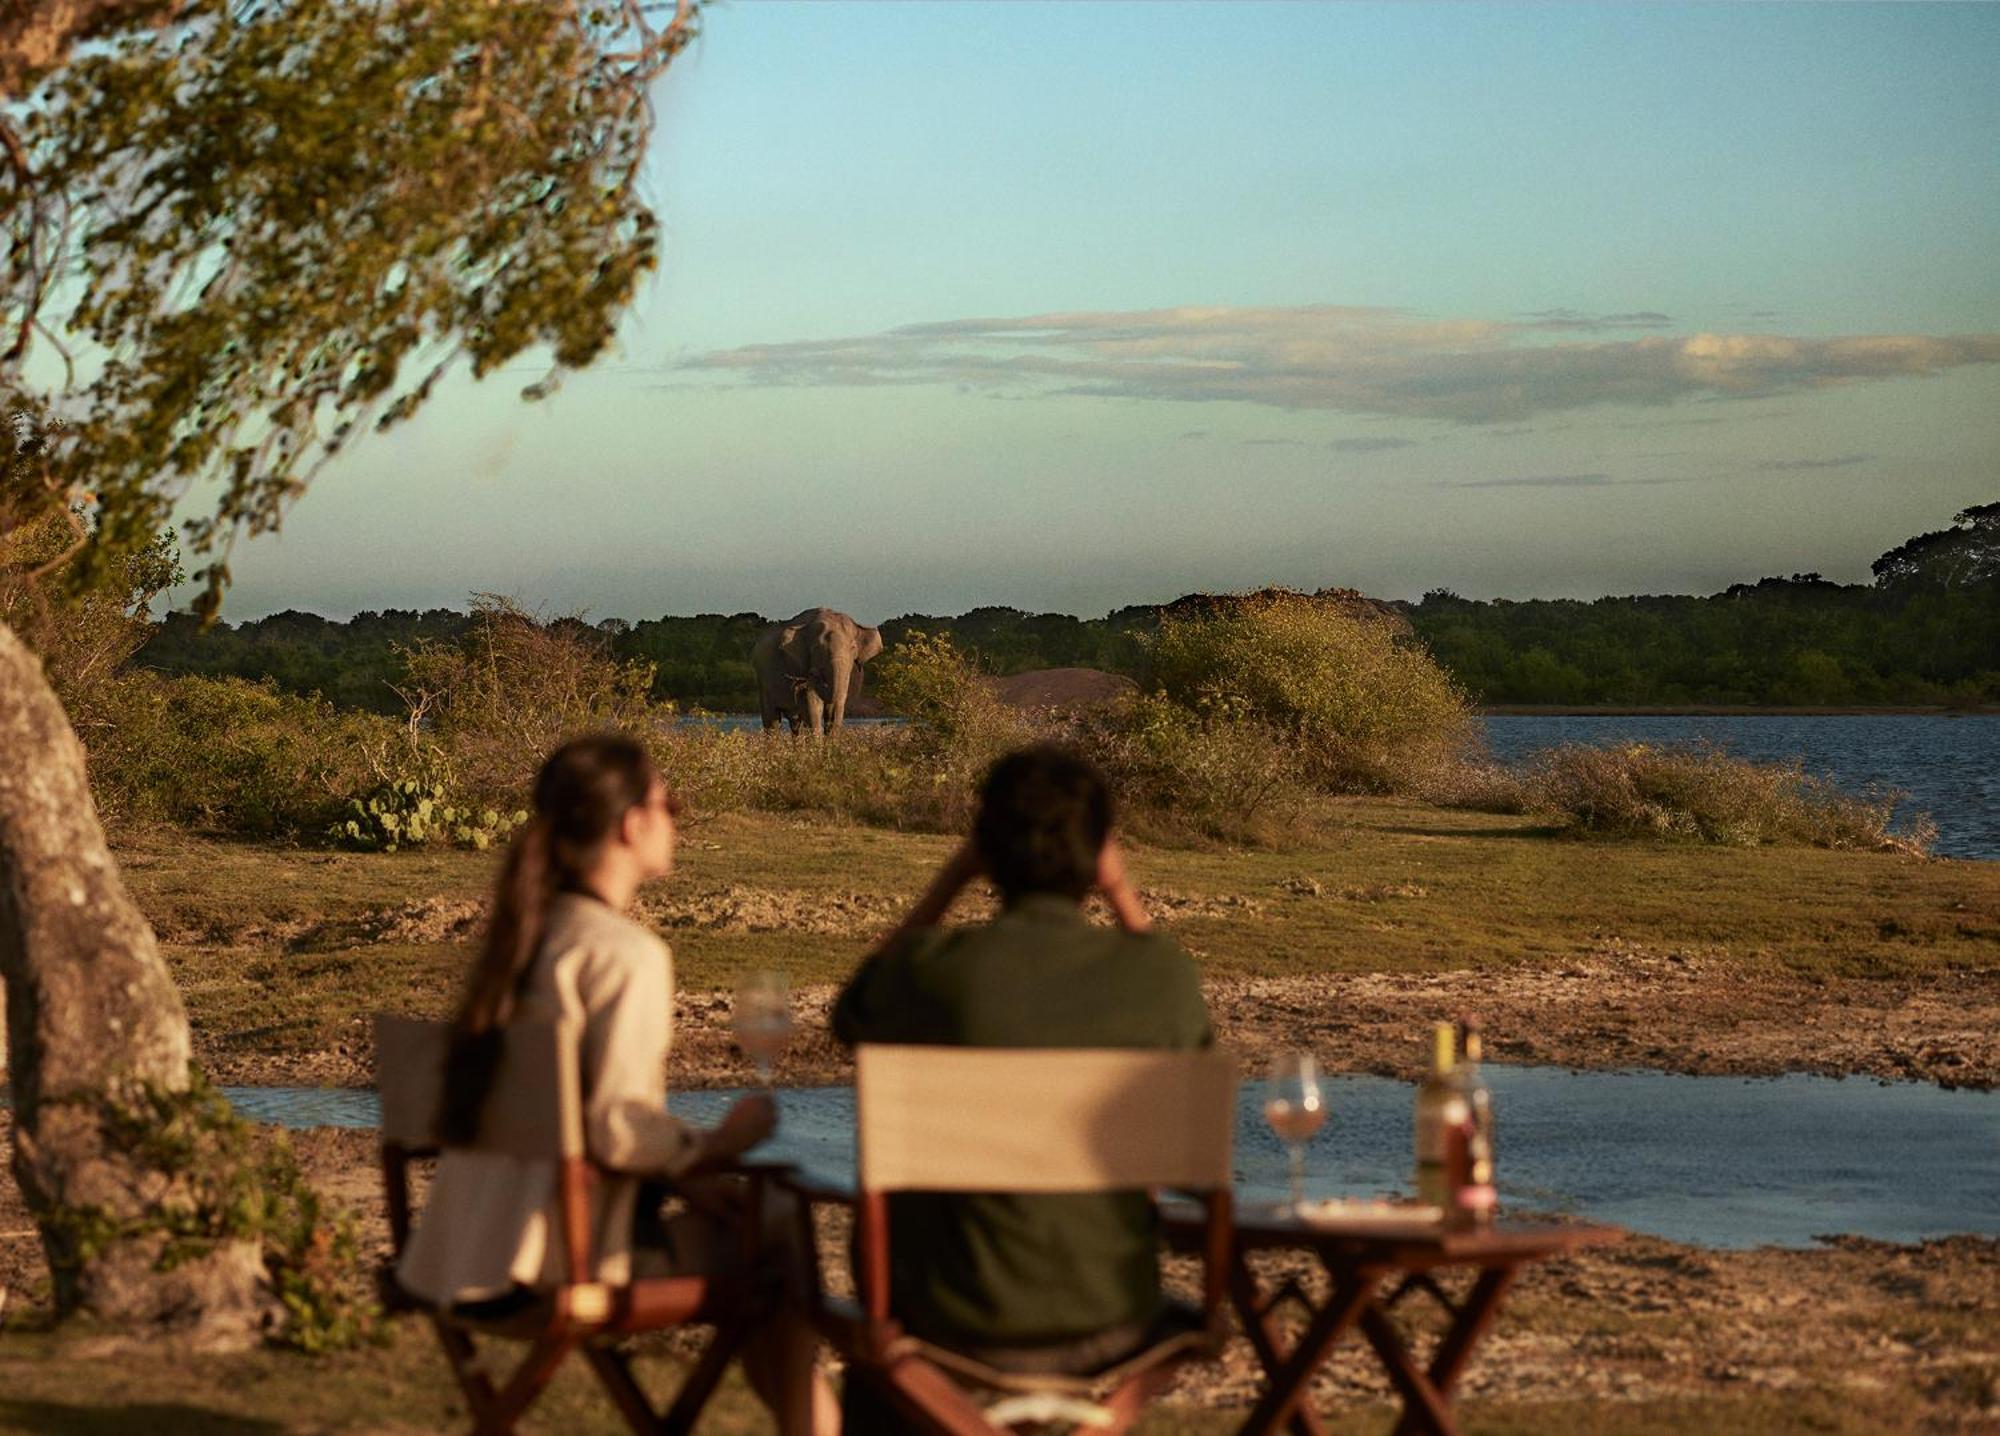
(762, 1019)
(1294, 1109)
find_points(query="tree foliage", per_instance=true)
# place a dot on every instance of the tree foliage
(243, 237)
(1966, 555)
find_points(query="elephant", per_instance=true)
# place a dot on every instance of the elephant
(807, 667)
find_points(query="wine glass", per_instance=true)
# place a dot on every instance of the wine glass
(762, 1018)
(1294, 1109)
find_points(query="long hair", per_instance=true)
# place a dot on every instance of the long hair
(582, 794)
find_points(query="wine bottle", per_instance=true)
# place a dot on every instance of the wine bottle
(1442, 1122)
(1477, 1196)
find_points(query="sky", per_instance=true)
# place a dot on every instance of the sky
(1079, 305)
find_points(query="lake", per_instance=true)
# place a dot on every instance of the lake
(1949, 765)
(1720, 1161)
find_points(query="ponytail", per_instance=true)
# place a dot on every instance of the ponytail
(513, 935)
(581, 794)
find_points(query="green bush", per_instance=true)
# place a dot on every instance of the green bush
(1370, 710)
(1701, 794)
(225, 754)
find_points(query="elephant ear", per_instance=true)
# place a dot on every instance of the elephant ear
(868, 643)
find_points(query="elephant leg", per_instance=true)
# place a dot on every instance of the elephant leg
(815, 712)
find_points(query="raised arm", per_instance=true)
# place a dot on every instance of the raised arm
(1118, 890)
(959, 871)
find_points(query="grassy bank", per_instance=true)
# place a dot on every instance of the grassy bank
(1687, 957)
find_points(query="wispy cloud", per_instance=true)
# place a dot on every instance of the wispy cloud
(1578, 322)
(1537, 481)
(1359, 360)
(1277, 443)
(1789, 466)
(1376, 445)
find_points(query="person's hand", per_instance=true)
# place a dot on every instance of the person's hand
(1117, 888)
(742, 1127)
(965, 865)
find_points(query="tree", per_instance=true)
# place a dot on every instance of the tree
(242, 233)
(1966, 554)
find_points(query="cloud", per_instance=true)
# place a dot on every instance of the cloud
(1195, 434)
(1575, 320)
(1286, 443)
(1789, 466)
(1537, 481)
(1377, 445)
(1343, 358)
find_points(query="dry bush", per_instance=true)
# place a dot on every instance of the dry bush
(1702, 794)
(1370, 711)
(1180, 775)
(492, 704)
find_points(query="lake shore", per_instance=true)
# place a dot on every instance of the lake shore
(1591, 955)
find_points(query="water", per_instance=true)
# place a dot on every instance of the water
(1950, 766)
(1719, 1161)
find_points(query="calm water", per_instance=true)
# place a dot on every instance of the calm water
(1949, 766)
(1721, 1161)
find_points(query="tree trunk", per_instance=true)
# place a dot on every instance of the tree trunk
(91, 1013)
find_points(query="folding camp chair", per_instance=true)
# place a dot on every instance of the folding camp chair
(536, 1112)
(957, 1119)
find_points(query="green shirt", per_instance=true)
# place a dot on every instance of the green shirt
(1008, 1270)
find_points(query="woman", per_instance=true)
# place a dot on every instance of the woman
(560, 947)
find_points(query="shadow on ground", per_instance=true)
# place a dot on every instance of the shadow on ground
(152, 1418)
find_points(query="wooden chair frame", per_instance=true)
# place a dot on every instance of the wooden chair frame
(1128, 1102)
(577, 1313)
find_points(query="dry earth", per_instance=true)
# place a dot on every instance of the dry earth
(1617, 1005)
(1917, 1326)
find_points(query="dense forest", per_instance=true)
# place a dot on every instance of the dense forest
(1926, 631)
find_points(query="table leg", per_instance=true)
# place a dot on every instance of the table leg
(1255, 1314)
(1427, 1394)
(1285, 1390)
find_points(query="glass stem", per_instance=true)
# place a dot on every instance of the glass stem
(1298, 1156)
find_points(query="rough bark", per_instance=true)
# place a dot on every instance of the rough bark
(91, 1010)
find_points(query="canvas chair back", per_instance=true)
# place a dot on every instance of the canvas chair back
(533, 1111)
(535, 1108)
(973, 1119)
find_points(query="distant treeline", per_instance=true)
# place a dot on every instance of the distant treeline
(1926, 631)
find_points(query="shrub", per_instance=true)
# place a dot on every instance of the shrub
(1370, 711)
(507, 693)
(1180, 774)
(941, 690)
(223, 753)
(1701, 794)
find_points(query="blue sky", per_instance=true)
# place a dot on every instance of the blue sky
(1079, 305)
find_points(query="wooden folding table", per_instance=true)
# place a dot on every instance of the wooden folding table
(1371, 1267)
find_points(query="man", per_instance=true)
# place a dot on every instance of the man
(1073, 1276)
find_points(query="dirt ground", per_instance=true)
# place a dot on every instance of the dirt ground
(1910, 1330)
